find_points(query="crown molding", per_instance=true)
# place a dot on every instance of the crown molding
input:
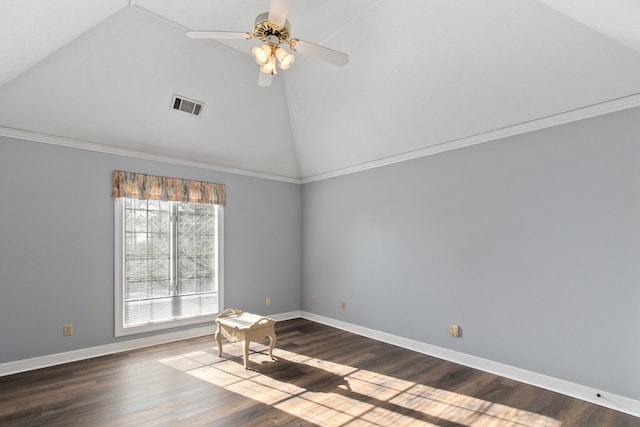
(619, 104)
(126, 152)
(594, 110)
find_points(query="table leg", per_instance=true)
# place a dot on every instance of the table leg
(246, 352)
(219, 340)
(272, 343)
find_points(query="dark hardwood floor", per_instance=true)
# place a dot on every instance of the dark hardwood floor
(323, 376)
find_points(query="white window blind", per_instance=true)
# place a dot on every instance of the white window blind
(168, 264)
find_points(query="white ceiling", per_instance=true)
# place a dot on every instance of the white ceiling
(423, 76)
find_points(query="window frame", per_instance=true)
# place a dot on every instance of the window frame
(119, 252)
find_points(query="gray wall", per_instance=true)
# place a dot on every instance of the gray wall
(56, 245)
(531, 244)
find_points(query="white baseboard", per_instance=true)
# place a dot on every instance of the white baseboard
(608, 400)
(24, 365)
(286, 316)
(101, 350)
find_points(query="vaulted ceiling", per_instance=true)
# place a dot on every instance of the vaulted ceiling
(423, 76)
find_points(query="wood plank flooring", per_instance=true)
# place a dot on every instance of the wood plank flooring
(323, 376)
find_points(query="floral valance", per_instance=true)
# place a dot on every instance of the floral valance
(149, 187)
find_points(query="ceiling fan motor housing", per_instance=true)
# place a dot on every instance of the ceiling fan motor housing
(269, 32)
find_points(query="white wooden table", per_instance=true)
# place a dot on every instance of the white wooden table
(236, 325)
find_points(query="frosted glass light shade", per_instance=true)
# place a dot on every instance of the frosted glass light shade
(284, 58)
(262, 54)
(270, 66)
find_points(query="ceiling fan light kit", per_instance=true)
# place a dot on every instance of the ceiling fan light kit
(273, 30)
(272, 36)
(266, 55)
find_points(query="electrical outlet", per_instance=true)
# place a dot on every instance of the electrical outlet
(313, 300)
(454, 330)
(67, 330)
(268, 301)
(343, 305)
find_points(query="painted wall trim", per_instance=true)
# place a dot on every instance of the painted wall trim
(126, 152)
(101, 350)
(24, 365)
(606, 107)
(608, 400)
(599, 109)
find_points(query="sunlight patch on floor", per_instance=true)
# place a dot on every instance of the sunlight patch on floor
(386, 417)
(347, 395)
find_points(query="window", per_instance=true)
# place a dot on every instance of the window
(168, 262)
(168, 251)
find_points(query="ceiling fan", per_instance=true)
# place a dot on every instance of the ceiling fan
(273, 30)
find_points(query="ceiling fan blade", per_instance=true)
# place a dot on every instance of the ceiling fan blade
(278, 11)
(329, 55)
(264, 79)
(218, 35)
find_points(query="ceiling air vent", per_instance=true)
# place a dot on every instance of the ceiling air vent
(187, 105)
